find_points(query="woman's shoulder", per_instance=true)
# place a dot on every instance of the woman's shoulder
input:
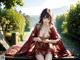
(38, 25)
(52, 26)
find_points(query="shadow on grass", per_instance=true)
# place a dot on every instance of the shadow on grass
(71, 44)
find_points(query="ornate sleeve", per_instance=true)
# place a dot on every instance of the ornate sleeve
(34, 32)
(54, 33)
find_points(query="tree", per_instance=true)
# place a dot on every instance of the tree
(11, 3)
(12, 21)
(27, 17)
(27, 28)
(74, 20)
(59, 22)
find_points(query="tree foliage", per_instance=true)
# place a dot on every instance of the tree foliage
(73, 20)
(11, 3)
(12, 20)
(27, 17)
(59, 22)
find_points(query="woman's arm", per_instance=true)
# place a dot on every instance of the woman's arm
(37, 39)
(34, 33)
(50, 41)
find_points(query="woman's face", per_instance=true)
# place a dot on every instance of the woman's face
(46, 21)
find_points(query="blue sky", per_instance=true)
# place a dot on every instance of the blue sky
(34, 7)
(31, 3)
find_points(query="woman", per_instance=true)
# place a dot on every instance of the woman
(44, 40)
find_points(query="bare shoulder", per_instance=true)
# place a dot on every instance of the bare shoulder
(38, 25)
(52, 26)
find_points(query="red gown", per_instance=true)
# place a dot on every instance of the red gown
(29, 48)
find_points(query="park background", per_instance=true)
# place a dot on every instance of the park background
(18, 18)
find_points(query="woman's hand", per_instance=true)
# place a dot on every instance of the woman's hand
(54, 41)
(37, 39)
(46, 41)
(50, 41)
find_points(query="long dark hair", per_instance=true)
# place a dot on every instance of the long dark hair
(47, 14)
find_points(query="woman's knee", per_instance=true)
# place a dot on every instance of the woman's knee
(48, 56)
(39, 57)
